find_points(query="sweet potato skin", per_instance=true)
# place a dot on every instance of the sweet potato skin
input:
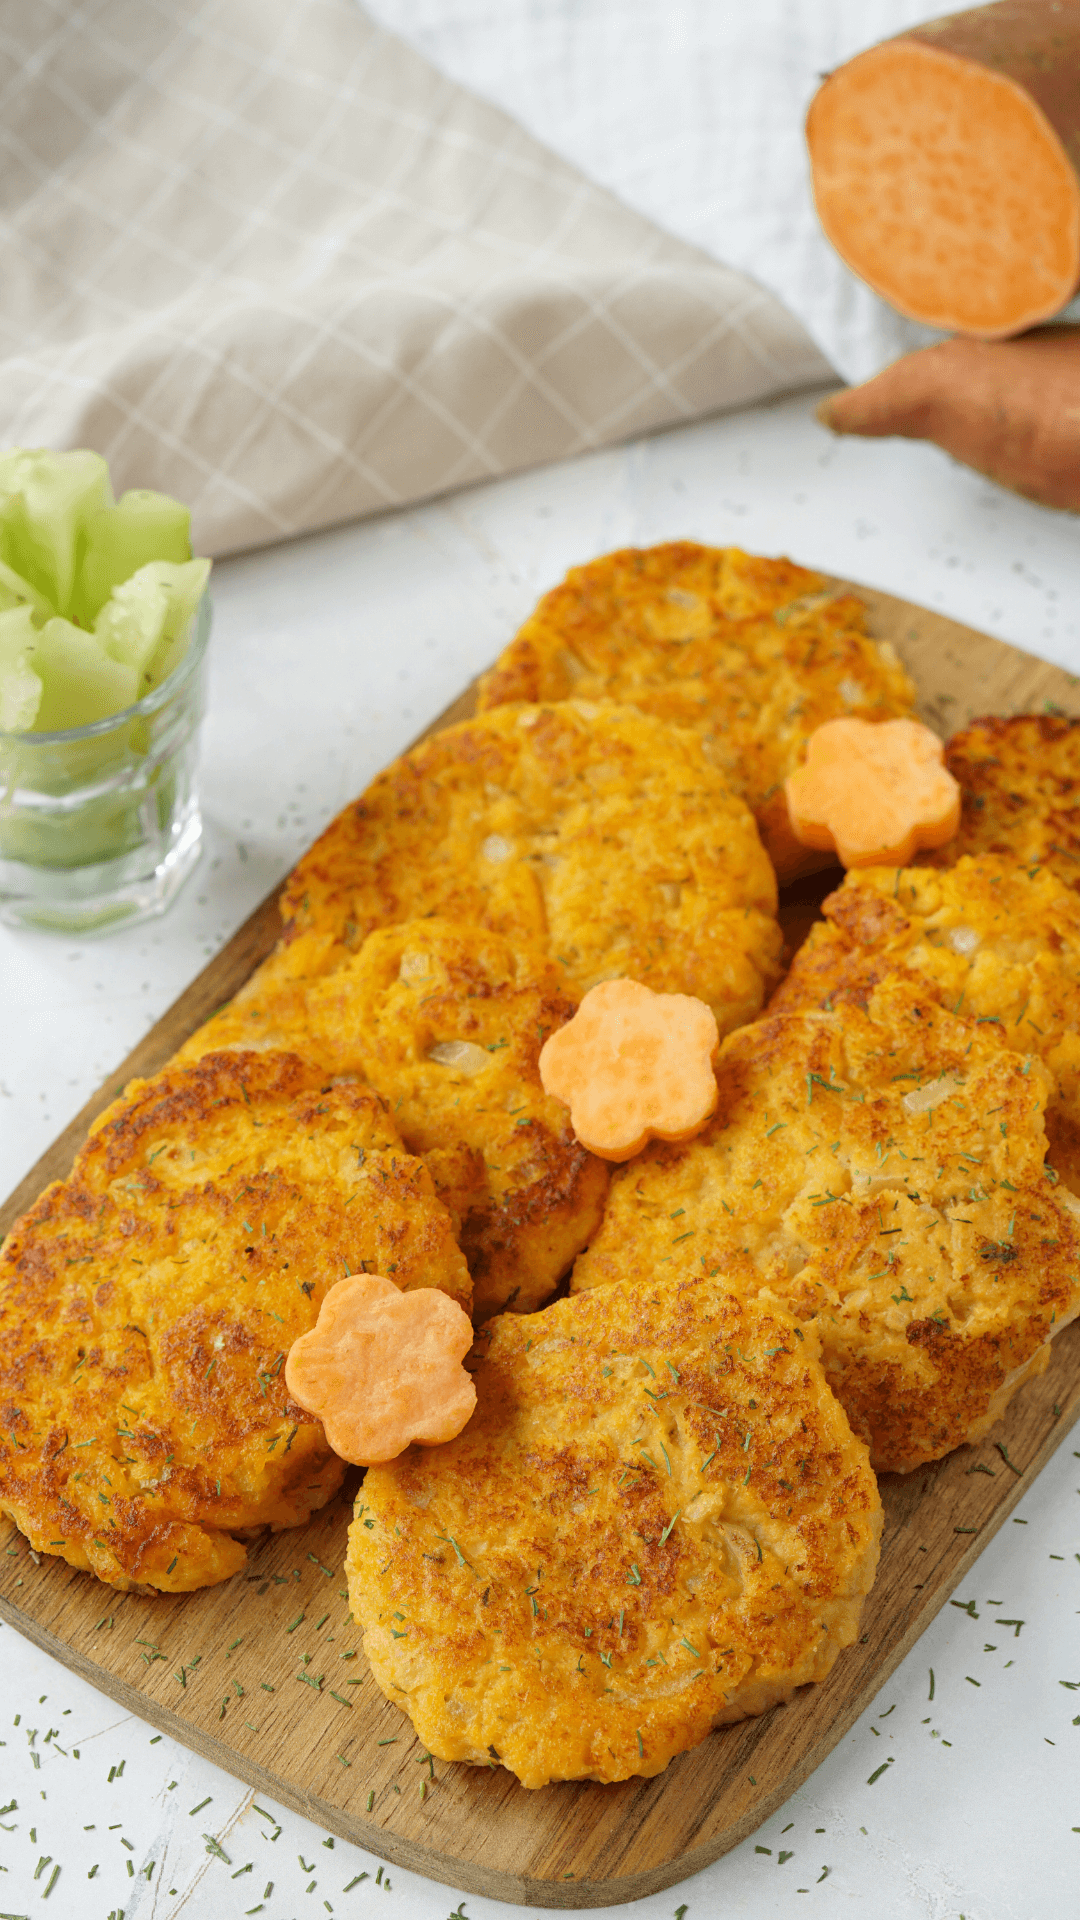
(1035, 42)
(1008, 408)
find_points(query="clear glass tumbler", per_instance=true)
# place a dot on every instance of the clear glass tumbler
(100, 825)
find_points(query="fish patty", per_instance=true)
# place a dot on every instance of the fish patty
(657, 1521)
(596, 835)
(147, 1304)
(998, 943)
(880, 1173)
(752, 653)
(1020, 791)
(446, 1022)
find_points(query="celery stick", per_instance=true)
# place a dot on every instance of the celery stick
(185, 586)
(80, 682)
(102, 595)
(20, 688)
(143, 526)
(131, 624)
(46, 500)
(17, 592)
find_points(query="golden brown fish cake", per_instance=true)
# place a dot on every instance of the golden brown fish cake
(1020, 787)
(273, 1014)
(148, 1302)
(446, 1023)
(597, 835)
(881, 1173)
(261, 1018)
(450, 1022)
(998, 943)
(656, 1522)
(751, 653)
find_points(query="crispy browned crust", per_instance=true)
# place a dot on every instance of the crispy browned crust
(147, 1304)
(656, 1522)
(1016, 973)
(601, 837)
(538, 1195)
(752, 653)
(525, 1196)
(931, 1247)
(1020, 781)
(673, 594)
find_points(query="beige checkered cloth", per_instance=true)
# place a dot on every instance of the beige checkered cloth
(261, 255)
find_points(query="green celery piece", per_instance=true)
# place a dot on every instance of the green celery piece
(186, 586)
(20, 688)
(80, 681)
(131, 624)
(46, 502)
(17, 592)
(143, 526)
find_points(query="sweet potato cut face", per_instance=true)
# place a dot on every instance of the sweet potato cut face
(875, 794)
(382, 1368)
(633, 1065)
(945, 186)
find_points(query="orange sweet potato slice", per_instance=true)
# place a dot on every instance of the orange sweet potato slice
(382, 1368)
(633, 1065)
(874, 794)
(945, 166)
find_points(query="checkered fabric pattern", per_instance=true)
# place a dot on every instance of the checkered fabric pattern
(263, 256)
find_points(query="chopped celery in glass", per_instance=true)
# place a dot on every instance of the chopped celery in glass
(104, 624)
(97, 596)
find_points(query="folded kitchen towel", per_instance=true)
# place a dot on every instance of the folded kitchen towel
(262, 255)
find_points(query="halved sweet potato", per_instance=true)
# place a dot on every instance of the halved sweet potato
(944, 170)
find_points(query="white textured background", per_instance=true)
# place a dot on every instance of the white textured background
(329, 655)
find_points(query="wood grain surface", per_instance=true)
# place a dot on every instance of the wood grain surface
(224, 1670)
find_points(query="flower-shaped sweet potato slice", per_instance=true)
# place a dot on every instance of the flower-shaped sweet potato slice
(381, 1368)
(633, 1065)
(874, 793)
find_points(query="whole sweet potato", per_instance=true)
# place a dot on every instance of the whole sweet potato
(1008, 408)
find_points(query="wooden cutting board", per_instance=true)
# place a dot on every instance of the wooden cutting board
(223, 1670)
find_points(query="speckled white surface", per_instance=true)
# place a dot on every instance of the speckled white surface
(328, 656)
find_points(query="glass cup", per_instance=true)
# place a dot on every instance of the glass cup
(100, 825)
